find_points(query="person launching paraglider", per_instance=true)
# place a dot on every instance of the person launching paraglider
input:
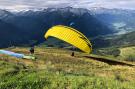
(73, 49)
(32, 50)
(71, 36)
(73, 53)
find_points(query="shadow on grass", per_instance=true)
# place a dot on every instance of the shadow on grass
(110, 62)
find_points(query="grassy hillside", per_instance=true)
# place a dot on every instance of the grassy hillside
(126, 39)
(127, 50)
(120, 53)
(123, 40)
(56, 69)
(127, 53)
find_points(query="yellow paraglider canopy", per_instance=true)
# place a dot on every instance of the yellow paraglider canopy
(71, 36)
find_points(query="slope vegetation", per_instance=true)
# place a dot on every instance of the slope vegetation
(55, 68)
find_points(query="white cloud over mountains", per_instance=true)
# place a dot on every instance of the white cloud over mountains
(29, 4)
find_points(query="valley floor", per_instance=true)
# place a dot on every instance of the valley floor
(56, 69)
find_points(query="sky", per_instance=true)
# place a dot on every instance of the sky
(30, 4)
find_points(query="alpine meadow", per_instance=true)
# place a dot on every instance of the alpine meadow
(67, 44)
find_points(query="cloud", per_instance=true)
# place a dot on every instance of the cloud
(28, 4)
(126, 4)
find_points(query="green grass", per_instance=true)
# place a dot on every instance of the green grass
(128, 53)
(56, 69)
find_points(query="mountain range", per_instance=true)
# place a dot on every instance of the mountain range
(28, 27)
(121, 20)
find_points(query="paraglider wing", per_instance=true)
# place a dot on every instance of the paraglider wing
(11, 53)
(18, 55)
(70, 36)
